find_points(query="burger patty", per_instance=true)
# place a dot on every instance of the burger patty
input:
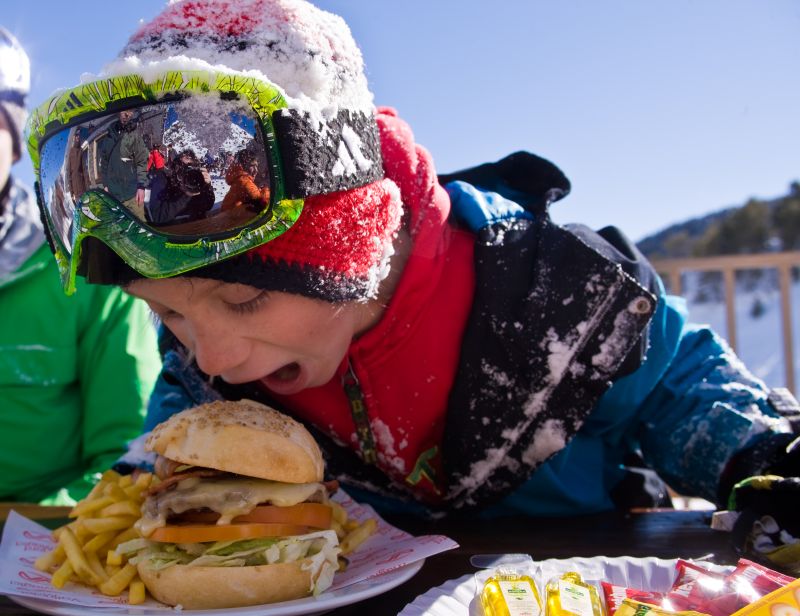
(226, 494)
(172, 480)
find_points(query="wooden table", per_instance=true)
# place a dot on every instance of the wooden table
(667, 534)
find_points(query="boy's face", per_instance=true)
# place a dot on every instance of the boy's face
(243, 334)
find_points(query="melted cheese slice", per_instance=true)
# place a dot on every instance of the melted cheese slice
(229, 497)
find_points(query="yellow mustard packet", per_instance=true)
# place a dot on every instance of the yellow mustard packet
(631, 607)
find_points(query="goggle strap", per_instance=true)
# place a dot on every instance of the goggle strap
(325, 155)
(12, 96)
(43, 217)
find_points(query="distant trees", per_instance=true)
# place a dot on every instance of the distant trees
(679, 244)
(787, 219)
(757, 226)
(745, 230)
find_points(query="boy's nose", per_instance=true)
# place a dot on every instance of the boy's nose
(217, 354)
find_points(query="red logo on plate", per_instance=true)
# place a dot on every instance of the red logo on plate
(39, 579)
(37, 536)
(396, 556)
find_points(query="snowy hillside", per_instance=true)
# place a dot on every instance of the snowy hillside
(759, 338)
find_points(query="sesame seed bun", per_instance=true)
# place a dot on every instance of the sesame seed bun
(242, 437)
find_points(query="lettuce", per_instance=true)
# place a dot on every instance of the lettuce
(224, 548)
(321, 549)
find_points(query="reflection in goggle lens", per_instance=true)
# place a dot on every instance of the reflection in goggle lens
(190, 167)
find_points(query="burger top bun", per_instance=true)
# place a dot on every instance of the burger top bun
(243, 437)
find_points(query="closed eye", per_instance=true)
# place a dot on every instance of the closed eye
(160, 313)
(251, 305)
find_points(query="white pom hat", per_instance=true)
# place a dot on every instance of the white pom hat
(307, 52)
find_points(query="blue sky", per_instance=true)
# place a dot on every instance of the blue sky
(658, 111)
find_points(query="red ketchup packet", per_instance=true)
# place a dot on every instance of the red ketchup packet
(700, 590)
(751, 581)
(615, 594)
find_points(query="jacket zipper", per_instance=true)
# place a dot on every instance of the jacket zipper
(358, 410)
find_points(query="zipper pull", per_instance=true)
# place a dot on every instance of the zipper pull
(358, 409)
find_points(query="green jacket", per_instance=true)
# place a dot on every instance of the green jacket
(123, 160)
(75, 374)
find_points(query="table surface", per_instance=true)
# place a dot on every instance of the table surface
(663, 533)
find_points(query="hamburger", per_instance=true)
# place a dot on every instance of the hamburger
(240, 516)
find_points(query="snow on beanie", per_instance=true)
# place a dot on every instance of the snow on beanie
(339, 248)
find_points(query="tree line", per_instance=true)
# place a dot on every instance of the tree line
(755, 227)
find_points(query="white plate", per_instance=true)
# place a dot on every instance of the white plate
(457, 597)
(453, 598)
(327, 601)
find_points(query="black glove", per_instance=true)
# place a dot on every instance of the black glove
(767, 528)
(788, 464)
(767, 502)
(776, 454)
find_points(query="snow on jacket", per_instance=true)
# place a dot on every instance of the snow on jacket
(75, 371)
(556, 315)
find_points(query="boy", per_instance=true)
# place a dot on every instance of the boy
(447, 343)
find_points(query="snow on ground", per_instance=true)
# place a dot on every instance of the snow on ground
(759, 338)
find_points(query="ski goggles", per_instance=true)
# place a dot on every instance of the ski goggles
(187, 169)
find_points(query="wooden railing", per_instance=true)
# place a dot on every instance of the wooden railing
(783, 262)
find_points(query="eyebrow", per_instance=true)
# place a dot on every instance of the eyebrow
(128, 286)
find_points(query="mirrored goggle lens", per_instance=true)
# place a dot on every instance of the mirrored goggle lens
(192, 167)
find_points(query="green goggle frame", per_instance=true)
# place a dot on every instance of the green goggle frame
(161, 252)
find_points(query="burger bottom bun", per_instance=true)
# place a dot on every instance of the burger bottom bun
(200, 588)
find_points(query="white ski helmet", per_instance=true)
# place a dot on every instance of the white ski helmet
(15, 82)
(15, 67)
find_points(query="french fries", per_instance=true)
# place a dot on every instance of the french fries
(86, 548)
(358, 535)
(351, 533)
(104, 519)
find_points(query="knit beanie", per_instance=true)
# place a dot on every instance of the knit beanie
(340, 246)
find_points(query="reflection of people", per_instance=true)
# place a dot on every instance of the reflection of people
(123, 158)
(450, 346)
(78, 182)
(243, 189)
(187, 194)
(155, 160)
(74, 371)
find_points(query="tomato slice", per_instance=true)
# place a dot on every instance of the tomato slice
(315, 515)
(225, 532)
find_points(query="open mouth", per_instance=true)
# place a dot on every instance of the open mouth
(286, 380)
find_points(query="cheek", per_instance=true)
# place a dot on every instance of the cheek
(178, 327)
(317, 331)
(6, 156)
